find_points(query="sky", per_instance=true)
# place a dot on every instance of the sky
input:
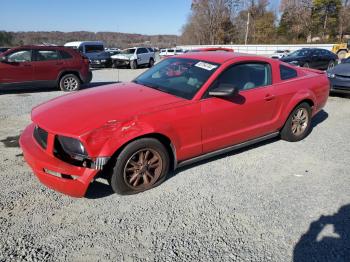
(128, 16)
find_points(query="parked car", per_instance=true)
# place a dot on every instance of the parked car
(184, 109)
(210, 49)
(44, 66)
(95, 51)
(134, 57)
(3, 49)
(316, 58)
(339, 77)
(280, 53)
(170, 52)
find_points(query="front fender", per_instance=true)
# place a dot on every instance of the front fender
(107, 140)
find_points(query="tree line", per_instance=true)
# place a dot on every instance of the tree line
(111, 39)
(253, 22)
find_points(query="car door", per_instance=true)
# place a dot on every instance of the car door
(247, 115)
(47, 65)
(317, 60)
(17, 68)
(142, 56)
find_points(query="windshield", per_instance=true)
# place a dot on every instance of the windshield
(128, 51)
(301, 52)
(178, 76)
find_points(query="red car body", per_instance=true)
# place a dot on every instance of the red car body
(40, 72)
(107, 118)
(212, 49)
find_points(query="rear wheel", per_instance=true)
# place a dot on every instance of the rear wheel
(69, 83)
(133, 64)
(341, 54)
(330, 64)
(151, 62)
(142, 165)
(298, 124)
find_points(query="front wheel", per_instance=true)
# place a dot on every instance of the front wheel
(133, 64)
(298, 124)
(69, 82)
(141, 165)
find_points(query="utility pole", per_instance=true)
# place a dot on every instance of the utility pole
(247, 30)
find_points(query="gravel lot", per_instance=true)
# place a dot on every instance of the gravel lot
(272, 202)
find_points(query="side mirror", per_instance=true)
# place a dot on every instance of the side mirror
(3, 59)
(224, 90)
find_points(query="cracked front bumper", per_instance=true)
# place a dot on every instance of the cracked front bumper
(48, 168)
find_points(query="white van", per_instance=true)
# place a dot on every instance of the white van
(89, 48)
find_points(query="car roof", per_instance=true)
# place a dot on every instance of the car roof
(216, 57)
(78, 43)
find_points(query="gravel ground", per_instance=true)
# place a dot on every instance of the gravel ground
(271, 202)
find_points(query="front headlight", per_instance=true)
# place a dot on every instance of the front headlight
(103, 60)
(73, 147)
(330, 75)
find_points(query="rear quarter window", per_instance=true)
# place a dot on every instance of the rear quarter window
(287, 72)
(65, 55)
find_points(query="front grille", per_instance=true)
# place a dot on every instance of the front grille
(40, 136)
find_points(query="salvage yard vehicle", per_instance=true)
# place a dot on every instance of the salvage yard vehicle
(44, 66)
(95, 51)
(280, 53)
(315, 58)
(342, 50)
(339, 76)
(184, 109)
(134, 57)
(3, 49)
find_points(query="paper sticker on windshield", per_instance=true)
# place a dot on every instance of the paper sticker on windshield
(206, 66)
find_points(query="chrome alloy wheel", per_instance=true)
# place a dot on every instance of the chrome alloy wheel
(300, 121)
(70, 84)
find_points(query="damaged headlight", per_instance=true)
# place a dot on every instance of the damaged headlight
(73, 147)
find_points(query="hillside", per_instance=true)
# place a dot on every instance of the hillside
(111, 39)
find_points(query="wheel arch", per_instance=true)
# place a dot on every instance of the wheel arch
(67, 72)
(165, 140)
(296, 102)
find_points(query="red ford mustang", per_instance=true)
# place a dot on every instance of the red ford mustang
(184, 109)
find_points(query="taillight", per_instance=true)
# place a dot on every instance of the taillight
(85, 60)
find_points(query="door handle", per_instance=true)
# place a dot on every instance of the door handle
(59, 63)
(269, 97)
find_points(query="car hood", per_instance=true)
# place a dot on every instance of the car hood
(341, 69)
(78, 113)
(122, 56)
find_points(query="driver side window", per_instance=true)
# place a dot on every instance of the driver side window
(245, 76)
(20, 56)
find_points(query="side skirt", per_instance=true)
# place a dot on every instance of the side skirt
(226, 149)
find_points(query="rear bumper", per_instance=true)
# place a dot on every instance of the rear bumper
(340, 85)
(42, 161)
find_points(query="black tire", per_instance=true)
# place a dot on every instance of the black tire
(331, 64)
(128, 167)
(289, 131)
(306, 65)
(133, 64)
(69, 82)
(151, 62)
